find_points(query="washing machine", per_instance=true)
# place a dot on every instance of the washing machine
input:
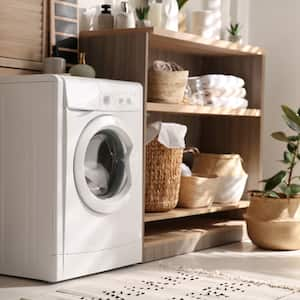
(71, 176)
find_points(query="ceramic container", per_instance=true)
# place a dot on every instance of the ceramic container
(155, 14)
(54, 65)
(126, 18)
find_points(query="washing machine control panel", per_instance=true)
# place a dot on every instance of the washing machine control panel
(103, 95)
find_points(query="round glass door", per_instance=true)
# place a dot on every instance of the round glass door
(101, 165)
(105, 172)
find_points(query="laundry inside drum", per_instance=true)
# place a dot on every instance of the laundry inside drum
(105, 172)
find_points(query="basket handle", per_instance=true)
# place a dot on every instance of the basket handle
(193, 150)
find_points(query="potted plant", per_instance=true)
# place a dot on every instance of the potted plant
(273, 217)
(142, 14)
(181, 16)
(235, 33)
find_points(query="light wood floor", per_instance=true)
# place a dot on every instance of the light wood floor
(240, 259)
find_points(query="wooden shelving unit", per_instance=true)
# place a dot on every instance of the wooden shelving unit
(127, 54)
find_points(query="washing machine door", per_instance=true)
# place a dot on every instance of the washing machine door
(101, 165)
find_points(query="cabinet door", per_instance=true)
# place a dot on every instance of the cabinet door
(22, 31)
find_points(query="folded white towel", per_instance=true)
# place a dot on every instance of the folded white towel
(231, 102)
(220, 81)
(225, 92)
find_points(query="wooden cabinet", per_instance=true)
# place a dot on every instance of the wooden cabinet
(22, 34)
(126, 55)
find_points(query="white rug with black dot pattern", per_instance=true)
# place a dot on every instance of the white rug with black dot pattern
(167, 283)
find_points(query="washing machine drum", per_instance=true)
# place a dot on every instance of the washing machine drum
(101, 165)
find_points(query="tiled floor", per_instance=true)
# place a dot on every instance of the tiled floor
(241, 259)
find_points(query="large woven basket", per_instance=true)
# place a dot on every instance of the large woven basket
(162, 177)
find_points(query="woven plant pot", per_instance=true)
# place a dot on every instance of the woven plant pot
(167, 87)
(162, 177)
(274, 224)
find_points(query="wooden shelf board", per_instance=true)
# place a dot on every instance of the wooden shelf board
(183, 42)
(185, 212)
(202, 110)
(172, 240)
(191, 43)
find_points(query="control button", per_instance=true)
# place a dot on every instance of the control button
(106, 100)
(128, 101)
(121, 101)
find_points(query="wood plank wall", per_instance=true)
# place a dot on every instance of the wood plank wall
(23, 35)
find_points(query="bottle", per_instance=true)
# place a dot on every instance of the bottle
(105, 19)
(54, 64)
(126, 18)
(170, 15)
(155, 14)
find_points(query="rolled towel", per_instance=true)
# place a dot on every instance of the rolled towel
(220, 81)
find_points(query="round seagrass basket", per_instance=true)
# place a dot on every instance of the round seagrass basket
(162, 177)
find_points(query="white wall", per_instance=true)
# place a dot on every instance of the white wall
(274, 25)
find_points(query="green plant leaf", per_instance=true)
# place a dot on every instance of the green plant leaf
(274, 181)
(287, 157)
(142, 12)
(298, 112)
(181, 3)
(280, 136)
(291, 125)
(292, 147)
(292, 118)
(294, 189)
(294, 138)
(271, 194)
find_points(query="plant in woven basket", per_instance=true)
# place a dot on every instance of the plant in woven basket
(284, 184)
(273, 217)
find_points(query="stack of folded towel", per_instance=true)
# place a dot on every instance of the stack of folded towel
(222, 90)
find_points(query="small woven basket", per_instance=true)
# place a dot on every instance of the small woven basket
(162, 177)
(167, 87)
(198, 191)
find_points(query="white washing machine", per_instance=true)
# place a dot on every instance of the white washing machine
(71, 176)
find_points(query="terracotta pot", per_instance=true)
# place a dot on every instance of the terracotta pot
(274, 224)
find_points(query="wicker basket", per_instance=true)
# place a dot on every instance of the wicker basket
(219, 164)
(229, 169)
(197, 191)
(167, 87)
(162, 177)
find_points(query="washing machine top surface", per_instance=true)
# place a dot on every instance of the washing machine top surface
(90, 93)
(102, 94)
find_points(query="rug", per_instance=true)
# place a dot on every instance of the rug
(167, 283)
